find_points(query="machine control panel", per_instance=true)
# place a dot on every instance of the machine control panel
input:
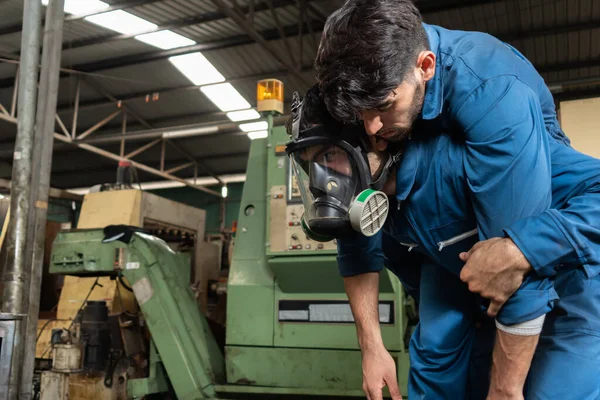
(296, 238)
(286, 234)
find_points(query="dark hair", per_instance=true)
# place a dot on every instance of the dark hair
(314, 111)
(366, 50)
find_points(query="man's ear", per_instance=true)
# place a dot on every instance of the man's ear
(426, 64)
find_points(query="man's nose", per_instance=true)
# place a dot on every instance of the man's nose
(372, 122)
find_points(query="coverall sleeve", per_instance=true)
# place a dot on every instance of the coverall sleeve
(568, 235)
(359, 254)
(507, 164)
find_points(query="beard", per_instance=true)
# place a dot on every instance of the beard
(402, 133)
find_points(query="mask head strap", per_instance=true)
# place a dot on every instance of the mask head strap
(297, 106)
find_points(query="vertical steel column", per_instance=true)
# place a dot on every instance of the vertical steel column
(14, 270)
(42, 165)
(14, 278)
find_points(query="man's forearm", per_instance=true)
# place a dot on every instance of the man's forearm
(511, 361)
(363, 293)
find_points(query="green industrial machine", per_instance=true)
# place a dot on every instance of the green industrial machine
(289, 328)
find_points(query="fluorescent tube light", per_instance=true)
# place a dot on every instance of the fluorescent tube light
(255, 126)
(257, 135)
(190, 132)
(225, 97)
(122, 22)
(244, 115)
(197, 69)
(80, 7)
(165, 40)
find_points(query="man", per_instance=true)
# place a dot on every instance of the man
(377, 63)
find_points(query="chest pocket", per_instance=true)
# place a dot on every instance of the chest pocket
(452, 239)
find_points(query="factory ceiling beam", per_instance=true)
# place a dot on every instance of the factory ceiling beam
(136, 59)
(431, 6)
(68, 107)
(140, 166)
(176, 162)
(203, 18)
(119, 5)
(594, 62)
(555, 30)
(123, 136)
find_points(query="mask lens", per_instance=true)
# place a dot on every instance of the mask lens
(327, 181)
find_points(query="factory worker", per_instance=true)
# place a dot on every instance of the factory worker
(479, 156)
(427, 221)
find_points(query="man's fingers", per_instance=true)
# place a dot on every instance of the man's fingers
(366, 391)
(375, 394)
(469, 253)
(494, 308)
(392, 385)
(465, 273)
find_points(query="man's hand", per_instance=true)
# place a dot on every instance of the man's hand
(495, 269)
(379, 370)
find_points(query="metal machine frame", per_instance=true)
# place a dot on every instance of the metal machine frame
(289, 328)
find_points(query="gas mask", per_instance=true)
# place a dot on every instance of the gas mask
(331, 167)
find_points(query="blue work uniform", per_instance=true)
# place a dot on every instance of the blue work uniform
(488, 159)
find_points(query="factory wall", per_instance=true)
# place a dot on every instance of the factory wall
(209, 203)
(580, 120)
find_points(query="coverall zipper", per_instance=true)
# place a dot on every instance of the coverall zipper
(456, 239)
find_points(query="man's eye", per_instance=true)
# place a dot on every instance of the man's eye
(384, 108)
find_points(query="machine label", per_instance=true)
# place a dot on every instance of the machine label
(327, 311)
(143, 290)
(132, 265)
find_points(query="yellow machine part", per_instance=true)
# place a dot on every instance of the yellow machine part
(125, 209)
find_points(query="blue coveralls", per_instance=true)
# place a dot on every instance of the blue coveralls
(488, 159)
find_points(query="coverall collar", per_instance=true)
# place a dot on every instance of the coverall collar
(434, 91)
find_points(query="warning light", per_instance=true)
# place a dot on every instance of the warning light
(269, 96)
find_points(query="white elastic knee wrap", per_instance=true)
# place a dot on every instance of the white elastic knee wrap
(527, 328)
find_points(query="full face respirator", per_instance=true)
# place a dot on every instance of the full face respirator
(331, 166)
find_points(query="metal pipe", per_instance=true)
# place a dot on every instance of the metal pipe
(123, 132)
(76, 111)
(42, 166)
(14, 279)
(162, 155)
(62, 126)
(14, 269)
(179, 168)
(13, 107)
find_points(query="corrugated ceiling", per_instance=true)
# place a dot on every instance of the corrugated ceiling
(561, 37)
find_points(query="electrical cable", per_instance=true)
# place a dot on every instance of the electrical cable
(77, 313)
(122, 282)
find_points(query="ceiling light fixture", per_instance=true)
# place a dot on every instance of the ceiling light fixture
(244, 115)
(165, 40)
(122, 22)
(197, 69)
(225, 97)
(257, 135)
(255, 126)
